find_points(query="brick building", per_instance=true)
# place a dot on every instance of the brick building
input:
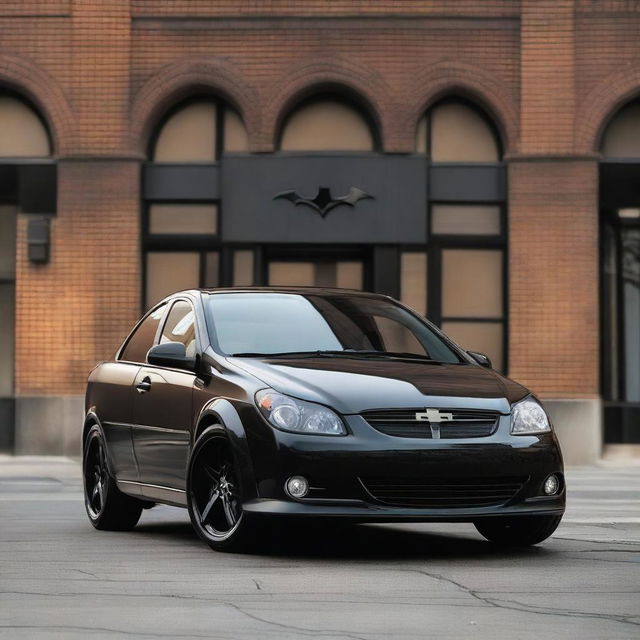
(143, 142)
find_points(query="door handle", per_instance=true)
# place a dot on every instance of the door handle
(144, 385)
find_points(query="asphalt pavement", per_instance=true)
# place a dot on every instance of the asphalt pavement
(59, 578)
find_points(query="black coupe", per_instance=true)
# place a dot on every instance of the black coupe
(245, 405)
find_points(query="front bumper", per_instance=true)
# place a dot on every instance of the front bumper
(339, 470)
(361, 511)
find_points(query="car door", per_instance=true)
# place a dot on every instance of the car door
(112, 395)
(162, 412)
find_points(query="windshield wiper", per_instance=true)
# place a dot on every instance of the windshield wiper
(408, 355)
(291, 354)
(343, 353)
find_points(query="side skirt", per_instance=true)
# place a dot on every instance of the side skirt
(153, 492)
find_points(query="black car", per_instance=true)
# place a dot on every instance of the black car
(245, 405)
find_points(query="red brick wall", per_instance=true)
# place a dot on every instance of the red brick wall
(102, 72)
(75, 311)
(553, 277)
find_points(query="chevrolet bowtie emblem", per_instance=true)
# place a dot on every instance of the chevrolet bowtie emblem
(434, 415)
(324, 202)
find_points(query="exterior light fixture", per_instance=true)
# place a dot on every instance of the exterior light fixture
(38, 240)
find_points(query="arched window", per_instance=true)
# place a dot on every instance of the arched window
(23, 134)
(459, 280)
(456, 131)
(621, 138)
(199, 131)
(22, 131)
(182, 229)
(327, 123)
(620, 272)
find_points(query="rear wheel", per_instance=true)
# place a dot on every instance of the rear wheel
(107, 507)
(214, 494)
(521, 531)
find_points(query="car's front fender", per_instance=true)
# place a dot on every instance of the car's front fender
(221, 411)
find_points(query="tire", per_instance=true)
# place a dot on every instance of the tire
(520, 531)
(214, 495)
(107, 507)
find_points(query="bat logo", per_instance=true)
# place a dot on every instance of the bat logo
(324, 201)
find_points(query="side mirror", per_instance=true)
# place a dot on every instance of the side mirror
(481, 359)
(171, 354)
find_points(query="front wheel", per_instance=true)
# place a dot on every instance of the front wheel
(107, 507)
(520, 531)
(214, 494)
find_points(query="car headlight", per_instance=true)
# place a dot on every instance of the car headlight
(298, 416)
(528, 417)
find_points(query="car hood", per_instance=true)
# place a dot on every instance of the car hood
(352, 385)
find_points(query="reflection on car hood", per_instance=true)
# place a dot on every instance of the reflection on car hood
(352, 385)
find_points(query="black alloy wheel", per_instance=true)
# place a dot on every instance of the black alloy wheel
(107, 507)
(95, 477)
(214, 493)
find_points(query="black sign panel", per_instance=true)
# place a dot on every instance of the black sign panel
(324, 199)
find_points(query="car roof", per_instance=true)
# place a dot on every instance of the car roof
(316, 291)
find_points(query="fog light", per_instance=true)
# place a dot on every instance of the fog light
(297, 487)
(551, 485)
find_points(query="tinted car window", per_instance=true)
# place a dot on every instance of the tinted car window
(142, 338)
(265, 323)
(180, 327)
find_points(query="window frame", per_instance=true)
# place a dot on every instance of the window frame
(609, 217)
(437, 243)
(188, 243)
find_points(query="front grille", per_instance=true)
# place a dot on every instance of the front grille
(443, 493)
(464, 423)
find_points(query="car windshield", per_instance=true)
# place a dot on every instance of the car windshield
(339, 325)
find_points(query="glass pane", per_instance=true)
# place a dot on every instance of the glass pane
(168, 272)
(183, 218)
(189, 135)
(326, 125)
(397, 336)
(235, 133)
(7, 241)
(142, 339)
(472, 283)
(22, 133)
(289, 274)
(460, 134)
(421, 136)
(243, 268)
(631, 292)
(485, 337)
(465, 219)
(212, 269)
(345, 274)
(622, 136)
(180, 327)
(413, 280)
(7, 334)
(270, 322)
(348, 275)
